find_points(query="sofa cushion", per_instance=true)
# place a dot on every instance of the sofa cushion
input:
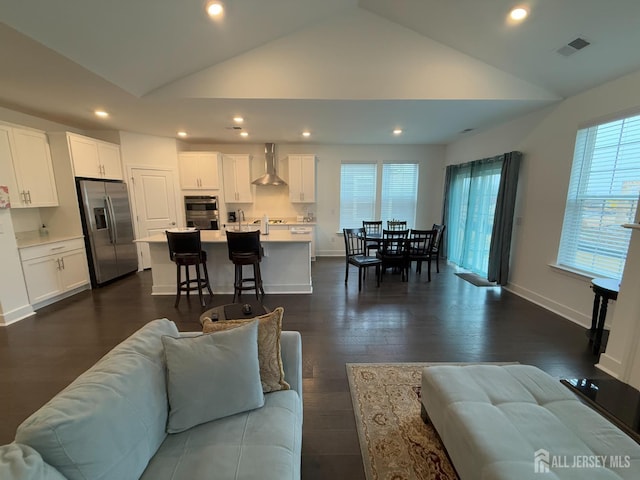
(111, 420)
(269, 354)
(21, 462)
(212, 376)
(261, 444)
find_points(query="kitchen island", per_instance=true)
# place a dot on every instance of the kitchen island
(285, 266)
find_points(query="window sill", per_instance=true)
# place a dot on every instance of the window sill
(572, 272)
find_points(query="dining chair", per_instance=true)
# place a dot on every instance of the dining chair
(393, 252)
(372, 229)
(355, 254)
(396, 224)
(437, 241)
(420, 245)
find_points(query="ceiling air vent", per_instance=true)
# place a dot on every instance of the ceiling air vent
(233, 127)
(573, 46)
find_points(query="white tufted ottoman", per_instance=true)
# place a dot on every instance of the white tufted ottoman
(511, 422)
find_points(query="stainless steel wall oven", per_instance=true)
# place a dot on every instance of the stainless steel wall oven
(201, 211)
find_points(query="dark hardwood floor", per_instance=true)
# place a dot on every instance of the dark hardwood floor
(442, 321)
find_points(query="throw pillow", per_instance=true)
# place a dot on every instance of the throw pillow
(269, 354)
(212, 376)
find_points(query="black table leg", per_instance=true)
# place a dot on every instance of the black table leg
(600, 328)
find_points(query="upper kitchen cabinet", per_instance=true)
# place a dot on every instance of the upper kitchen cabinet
(199, 170)
(93, 158)
(33, 177)
(236, 175)
(302, 178)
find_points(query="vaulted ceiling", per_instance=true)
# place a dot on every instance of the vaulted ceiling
(348, 71)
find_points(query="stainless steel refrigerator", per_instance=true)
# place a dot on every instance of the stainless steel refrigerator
(108, 230)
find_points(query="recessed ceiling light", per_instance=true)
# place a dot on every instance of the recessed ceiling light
(244, 134)
(306, 134)
(519, 13)
(101, 113)
(214, 8)
(238, 119)
(397, 131)
(182, 134)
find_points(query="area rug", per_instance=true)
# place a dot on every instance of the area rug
(476, 280)
(395, 443)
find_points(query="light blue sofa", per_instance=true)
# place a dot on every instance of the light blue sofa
(110, 424)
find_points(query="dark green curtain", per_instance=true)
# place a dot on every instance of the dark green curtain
(445, 205)
(500, 249)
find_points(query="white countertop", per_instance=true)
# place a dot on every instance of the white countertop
(219, 236)
(32, 239)
(287, 222)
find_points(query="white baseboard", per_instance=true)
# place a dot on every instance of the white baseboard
(610, 365)
(551, 305)
(16, 315)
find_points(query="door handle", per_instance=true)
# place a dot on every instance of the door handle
(112, 218)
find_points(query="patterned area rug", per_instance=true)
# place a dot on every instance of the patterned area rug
(395, 442)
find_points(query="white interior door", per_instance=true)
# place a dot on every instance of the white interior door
(155, 205)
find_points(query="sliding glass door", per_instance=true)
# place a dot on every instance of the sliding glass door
(472, 205)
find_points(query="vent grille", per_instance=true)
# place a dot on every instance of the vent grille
(573, 47)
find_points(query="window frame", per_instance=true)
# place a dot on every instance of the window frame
(377, 207)
(592, 214)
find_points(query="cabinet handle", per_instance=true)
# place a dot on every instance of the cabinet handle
(58, 263)
(62, 261)
(57, 248)
(199, 182)
(23, 194)
(29, 195)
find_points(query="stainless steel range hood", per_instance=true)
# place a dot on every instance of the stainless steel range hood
(270, 177)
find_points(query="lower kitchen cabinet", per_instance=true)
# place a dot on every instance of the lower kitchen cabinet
(53, 270)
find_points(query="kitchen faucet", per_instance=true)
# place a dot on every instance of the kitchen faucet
(240, 219)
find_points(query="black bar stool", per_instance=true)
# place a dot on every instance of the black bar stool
(185, 249)
(245, 249)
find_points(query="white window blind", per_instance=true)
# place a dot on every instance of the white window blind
(357, 194)
(399, 192)
(603, 194)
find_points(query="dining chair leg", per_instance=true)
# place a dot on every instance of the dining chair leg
(429, 269)
(418, 266)
(378, 275)
(346, 271)
(360, 278)
(438, 262)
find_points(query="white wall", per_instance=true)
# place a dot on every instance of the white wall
(275, 200)
(547, 140)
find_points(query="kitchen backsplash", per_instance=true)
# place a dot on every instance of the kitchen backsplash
(26, 219)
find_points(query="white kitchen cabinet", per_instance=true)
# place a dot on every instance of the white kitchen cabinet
(33, 179)
(302, 178)
(236, 178)
(199, 170)
(93, 158)
(54, 269)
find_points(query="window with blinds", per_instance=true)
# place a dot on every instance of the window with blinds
(357, 193)
(603, 195)
(398, 193)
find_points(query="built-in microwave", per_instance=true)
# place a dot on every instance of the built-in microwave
(201, 211)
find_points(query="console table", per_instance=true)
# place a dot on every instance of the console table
(604, 289)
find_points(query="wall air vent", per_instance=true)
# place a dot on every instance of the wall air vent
(573, 46)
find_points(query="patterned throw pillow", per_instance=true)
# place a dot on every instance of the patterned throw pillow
(269, 356)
